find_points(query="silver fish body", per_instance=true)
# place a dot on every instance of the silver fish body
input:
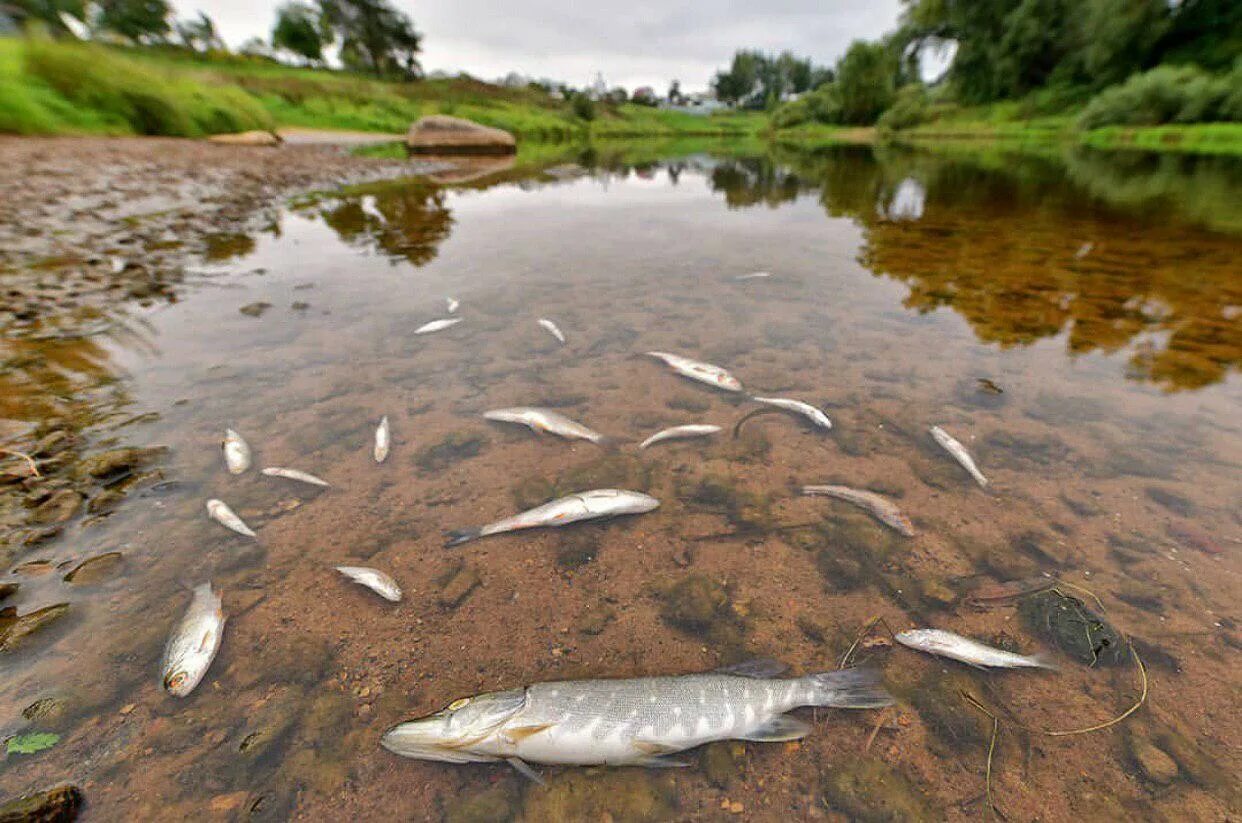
(948, 644)
(451, 305)
(959, 453)
(194, 643)
(375, 580)
(812, 413)
(383, 440)
(552, 329)
(757, 275)
(680, 433)
(438, 325)
(222, 514)
(696, 370)
(294, 474)
(627, 722)
(589, 505)
(879, 507)
(236, 452)
(544, 420)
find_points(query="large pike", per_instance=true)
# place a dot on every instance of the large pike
(545, 420)
(632, 722)
(696, 370)
(589, 505)
(878, 507)
(953, 447)
(194, 643)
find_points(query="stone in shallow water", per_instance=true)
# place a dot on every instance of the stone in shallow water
(95, 569)
(58, 508)
(457, 586)
(1076, 630)
(491, 805)
(56, 805)
(116, 461)
(1153, 763)
(621, 795)
(15, 630)
(871, 791)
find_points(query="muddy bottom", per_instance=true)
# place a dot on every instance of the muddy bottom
(1084, 352)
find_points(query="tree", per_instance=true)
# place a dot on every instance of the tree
(675, 97)
(141, 21)
(866, 82)
(298, 30)
(1119, 37)
(199, 34)
(738, 83)
(374, 36)
(47, 12)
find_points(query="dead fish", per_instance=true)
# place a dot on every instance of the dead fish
(383, 439)
(986, 385)
(758, 275)
(194, 643)
(589, 505)
(956, 647)
(680, 433)
(702, 372)
(1084, 250)
(552, 329)
(877, 506)
(629, 722)
(236, 452)
(222, 514)
(373, 579)
(797, 407)
(451, 305)
(438, 325)
(545, 420)
(959, 453)
(294, 474)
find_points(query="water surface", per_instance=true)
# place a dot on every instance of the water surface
(1080, 333)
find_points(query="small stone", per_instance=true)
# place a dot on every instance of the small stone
(58, 508)
(227, 803)
(52, 443)
(594, 622)
(14, 630)
(95, 569)
(128, 707)
(458, 587)
(255, 309)
(117, 461)
(1155, 765)
(55, 805)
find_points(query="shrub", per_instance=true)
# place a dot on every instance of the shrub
(908, 110)
(582, 107)
(793, 113)
(1166, 94)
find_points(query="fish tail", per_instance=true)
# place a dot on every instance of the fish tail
(456, 537)
(1043, 661)
(850, 689)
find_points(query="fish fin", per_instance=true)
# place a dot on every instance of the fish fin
(458, 536)
(654, 762)
(523, 768)
(759, 668)
(1043, 661)
(851, 689)
(520, 733)
(779, 729)
(654, 749)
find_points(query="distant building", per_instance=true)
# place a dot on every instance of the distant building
(699, 102)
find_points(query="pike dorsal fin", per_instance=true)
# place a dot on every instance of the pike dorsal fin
(760, 668)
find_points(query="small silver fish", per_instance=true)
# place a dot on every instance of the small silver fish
(383, 439)
(588, 505)
(758, 275)
(194, 643)
(680, 433)
(438, 325)
(294, 474)
(630, 722)
(222, 514)
(373, 579)
(879, 508)
(552, 329)
(797, 407)
(451, 305)
(696, 370)
(948, 644)
(1084, 250)
(545, 420)
(959, 453)
(236, 452)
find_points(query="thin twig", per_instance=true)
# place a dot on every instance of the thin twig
(1142, 699)
(879, 721)
(33, 466)
(845, 659)
(970, 698)
(1086, 591)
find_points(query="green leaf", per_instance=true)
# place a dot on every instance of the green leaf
(31, 743)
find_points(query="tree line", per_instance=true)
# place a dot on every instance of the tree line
(371, 36)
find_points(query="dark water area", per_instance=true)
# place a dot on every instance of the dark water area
(1075, 321)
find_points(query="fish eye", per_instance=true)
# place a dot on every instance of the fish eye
(174, 680)
(459, 703)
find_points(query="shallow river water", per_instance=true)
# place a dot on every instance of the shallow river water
(1076, 324)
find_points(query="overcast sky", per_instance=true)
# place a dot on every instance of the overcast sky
(633, 42)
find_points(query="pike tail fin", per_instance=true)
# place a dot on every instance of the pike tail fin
(459, 536)
(851, 689)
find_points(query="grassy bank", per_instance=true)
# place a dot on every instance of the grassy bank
(71, 88)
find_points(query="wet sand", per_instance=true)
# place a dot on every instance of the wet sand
(1098, 474)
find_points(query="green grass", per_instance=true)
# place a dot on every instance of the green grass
(1200, 138)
